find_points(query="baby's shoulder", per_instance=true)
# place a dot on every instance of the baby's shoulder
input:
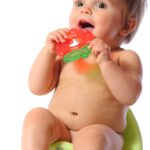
(122, 55)
(128, 55)
(125, 53)
(129, 59)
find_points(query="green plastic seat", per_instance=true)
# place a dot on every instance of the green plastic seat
(132, 137)
(61, 145)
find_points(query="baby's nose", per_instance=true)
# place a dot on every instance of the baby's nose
(86, 10)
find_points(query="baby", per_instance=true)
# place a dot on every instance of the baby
(92, 95)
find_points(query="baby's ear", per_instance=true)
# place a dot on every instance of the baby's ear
(128, 27)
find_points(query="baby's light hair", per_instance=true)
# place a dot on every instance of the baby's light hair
(135, 9)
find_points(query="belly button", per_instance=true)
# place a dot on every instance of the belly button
(74, 113)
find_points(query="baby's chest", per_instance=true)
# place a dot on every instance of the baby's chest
(82, 70)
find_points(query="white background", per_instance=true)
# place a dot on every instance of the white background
(24, 25)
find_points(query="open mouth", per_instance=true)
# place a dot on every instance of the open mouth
(85, 25)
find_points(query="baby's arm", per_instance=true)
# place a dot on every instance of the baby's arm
(45, 70)
(123, 78)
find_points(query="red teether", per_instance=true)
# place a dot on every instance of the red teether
(82, 37)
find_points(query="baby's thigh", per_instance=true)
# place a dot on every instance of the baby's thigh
(97, 137)
(43, 123)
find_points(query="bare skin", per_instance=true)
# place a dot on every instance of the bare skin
(92, 96)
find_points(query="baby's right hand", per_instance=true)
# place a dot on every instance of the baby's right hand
(54, 37)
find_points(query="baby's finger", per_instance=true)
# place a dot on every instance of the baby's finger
(95, 41)
(52, 37)
(59, 37)
(96, 49)
(106, 46)
(64, 32)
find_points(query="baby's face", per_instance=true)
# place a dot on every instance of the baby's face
(102, 17)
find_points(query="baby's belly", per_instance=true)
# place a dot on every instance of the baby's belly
(79, 106)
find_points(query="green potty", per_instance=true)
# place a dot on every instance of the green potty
(132, 137)
(61, 145)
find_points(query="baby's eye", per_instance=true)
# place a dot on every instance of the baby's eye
(101, 5)
(79, 4)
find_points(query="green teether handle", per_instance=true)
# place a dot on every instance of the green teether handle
(77, 54)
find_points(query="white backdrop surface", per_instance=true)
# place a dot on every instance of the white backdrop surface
(24, 25)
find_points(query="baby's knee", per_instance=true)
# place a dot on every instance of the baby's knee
(91, 135)
(97, 137)
(39, 117)
(42, 123)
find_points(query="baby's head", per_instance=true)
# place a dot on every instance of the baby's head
(133, 9)
(114, 21)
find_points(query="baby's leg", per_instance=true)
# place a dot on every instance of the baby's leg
(42, 128)
(97, 137)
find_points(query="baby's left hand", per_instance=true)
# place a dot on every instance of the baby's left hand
(100, 50)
